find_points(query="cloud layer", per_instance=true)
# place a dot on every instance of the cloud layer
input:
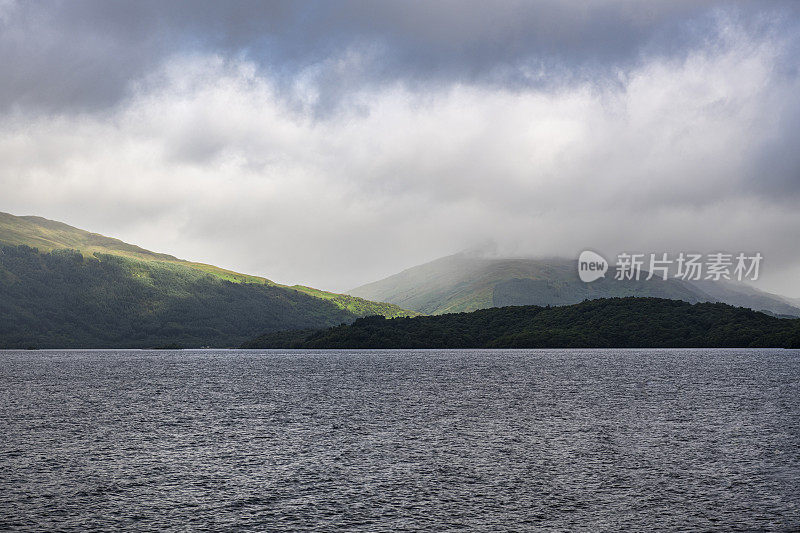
(387, 138)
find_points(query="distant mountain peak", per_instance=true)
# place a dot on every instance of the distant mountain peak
(470, 281)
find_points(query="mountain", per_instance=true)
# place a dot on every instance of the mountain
(466, 282)
(603, 323)
(61, 286)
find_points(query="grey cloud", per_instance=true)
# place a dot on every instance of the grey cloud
(775, 171)
(219, 133)
(84, 54)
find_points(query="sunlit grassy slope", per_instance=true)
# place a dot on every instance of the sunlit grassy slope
(48, 235)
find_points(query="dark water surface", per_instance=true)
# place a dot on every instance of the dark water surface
(592, 440)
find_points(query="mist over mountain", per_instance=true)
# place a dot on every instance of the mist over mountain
(472, 280)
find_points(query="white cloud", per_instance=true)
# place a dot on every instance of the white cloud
(210, 161)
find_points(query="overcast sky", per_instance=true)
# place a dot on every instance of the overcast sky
(334, 143)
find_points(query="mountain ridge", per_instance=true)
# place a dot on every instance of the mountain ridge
(62, 287)
(48, 235)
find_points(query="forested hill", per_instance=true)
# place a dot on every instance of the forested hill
(49, 235)
(64, 299)
(604, 323)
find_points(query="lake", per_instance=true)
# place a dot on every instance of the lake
(406, 440)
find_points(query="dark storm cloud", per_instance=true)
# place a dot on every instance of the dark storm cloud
(85, 54)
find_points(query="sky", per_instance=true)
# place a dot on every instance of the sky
(335, 143)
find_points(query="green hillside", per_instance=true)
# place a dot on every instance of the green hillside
(464, 282)
(63, 299)
(48, 235)
(602, 323)
(67, 288)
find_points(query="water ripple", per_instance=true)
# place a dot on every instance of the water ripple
(595, 440)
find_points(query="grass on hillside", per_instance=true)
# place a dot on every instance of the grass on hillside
(49, 235)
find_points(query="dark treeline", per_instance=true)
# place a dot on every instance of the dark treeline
(605, 323)
(63, 299)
